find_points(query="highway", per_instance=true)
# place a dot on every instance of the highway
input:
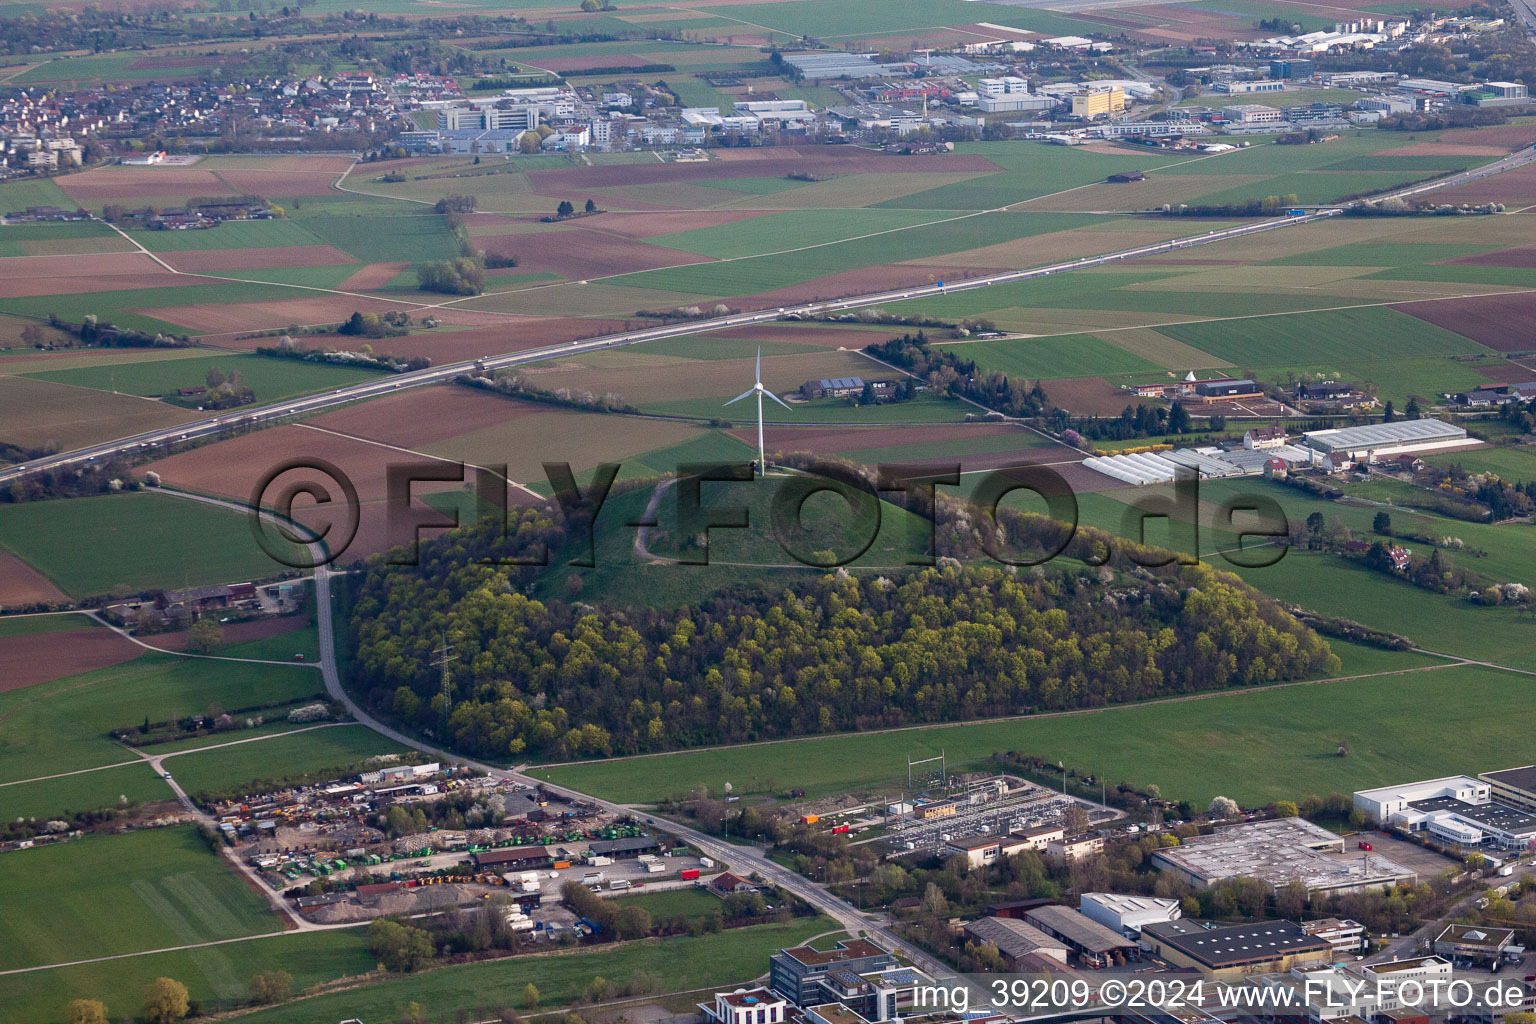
(279, 412)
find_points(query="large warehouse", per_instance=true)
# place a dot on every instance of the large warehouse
(1263, 947)
(1513, 786)
(1277, 852)
(1388, 440)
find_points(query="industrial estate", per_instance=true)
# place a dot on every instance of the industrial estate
(767, 512)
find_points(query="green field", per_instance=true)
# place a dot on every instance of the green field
(132, 543)
(211, 974)
(282, 647)
(786, 264)
(15, 238)
(235, 234)
(111, 787)
(1516, 464)
(280, 757)
(25, 192)
(1254, 747)
(373, 235)
(684, 963)
(690, 902)
(1074, 355)
(272, 380)
(106, 67)
(1029, 170)
(1347, 335)
(790, 229)
(29, 625)
(142, 890)
(63, 725)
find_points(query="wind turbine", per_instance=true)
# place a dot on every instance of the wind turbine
(758, 390)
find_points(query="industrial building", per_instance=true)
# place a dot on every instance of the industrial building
(1457, 811)
(821, 65)
(1475, 943)
(1244, 88)
(1264, 947)
(1383, 440)
(518, 118)
(1294, 67)
(1251, 113)
(513, 858)
(1016, 940)
(1098, 101)
(1127, 915)
(1093, 944)
(1278, 852)
(619, 849)
(1346, 937)
(1513, 786)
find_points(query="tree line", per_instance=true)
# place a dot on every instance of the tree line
(947, 373)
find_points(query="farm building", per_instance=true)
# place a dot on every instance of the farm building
(1384, 440)
(1261, 438)
(1226, 389)
(1264, 947)
(1493, 394)
(1333, 395)
(1277, 852)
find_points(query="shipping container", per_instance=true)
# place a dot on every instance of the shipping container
(839, 829)
(809, 819)
(690, 873)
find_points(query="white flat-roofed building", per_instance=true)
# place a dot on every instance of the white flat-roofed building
(745, 1006)
(1127, 914)
(1457, 810)
(1251, 113)
(1380, 440)
(1386, 801)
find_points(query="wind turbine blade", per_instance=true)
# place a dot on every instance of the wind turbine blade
(745, 394)
(776, 398)
(759, 377)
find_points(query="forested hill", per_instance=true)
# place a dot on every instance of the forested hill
(837, 652)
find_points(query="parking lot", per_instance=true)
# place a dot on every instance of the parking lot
(1030, 809)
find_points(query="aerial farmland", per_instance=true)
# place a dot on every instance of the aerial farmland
(515, 511)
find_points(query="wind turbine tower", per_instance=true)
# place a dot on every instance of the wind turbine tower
(758, 390)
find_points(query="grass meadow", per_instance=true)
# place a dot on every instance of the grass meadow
(1254, 747)
(139, 890)
(63, 725)
(129, 543)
